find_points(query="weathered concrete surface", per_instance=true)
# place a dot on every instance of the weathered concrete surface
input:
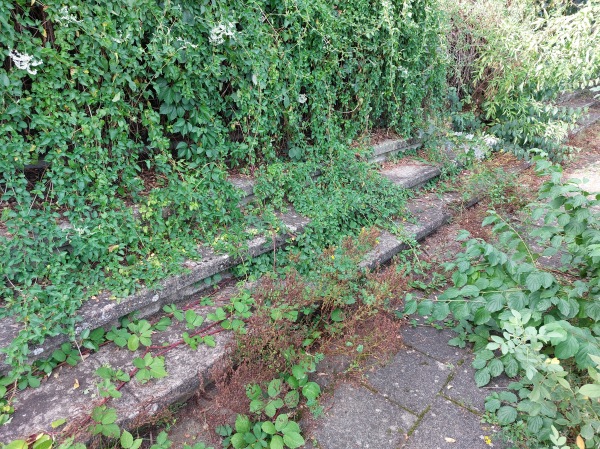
(358, 418)
(430, 216)
(425, 398)
(411, 380)
(388, 148)
(245, 184)
(71, 393)
(447, 425)
(411, 175)
(105, 311)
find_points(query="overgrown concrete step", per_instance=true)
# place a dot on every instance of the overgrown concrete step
(71, 392)
(382, 151)
(411, 174)
(105, 311)
(431, 213)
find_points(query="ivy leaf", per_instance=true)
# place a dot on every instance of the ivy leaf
(506, 415)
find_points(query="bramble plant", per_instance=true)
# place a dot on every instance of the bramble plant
(529, 320)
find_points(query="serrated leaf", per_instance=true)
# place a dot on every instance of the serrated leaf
(460, 310)
(126, 440)
(293, 440)
(424, 308)
(269, 428)
(242, 424)
(506, 415)
(276, 442)
(535, 424)
(567, 348)
(469, 290)
(481, 316)
(494, 302)
(482, 377)
(274, 388)
(491, 405)
(496, 367)
(311, 390)
(440, 311)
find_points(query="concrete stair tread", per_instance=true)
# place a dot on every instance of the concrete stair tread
(71, 393)
(411, 174)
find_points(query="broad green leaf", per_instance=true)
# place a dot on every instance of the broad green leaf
(276, 442)
(567, 348)
(535, 424)
(495, 367)
(126, 440)
(491, 405)
(482, 377)
(269, 427)
(311, 390)
(274, 388)
(590, 390)
(293, 440)
(506, 415)
(469, 290)
(242, 424)
(281, 421)
(481, 316)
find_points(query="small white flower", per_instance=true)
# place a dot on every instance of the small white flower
(185, 44)
(490, 141)
(469, 136)
(457, 133)
(65, 17)
(24, 61)
(302, 98)
(218, 33)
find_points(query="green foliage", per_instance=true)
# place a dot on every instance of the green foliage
(515, 59)
(198, 87)
(530, 320)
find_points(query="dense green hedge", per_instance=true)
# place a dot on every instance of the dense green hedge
(149, 103)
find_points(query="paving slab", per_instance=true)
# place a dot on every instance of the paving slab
(463, 389)
(431, 341)
(412, 380)
(448, 426)
(358, 418)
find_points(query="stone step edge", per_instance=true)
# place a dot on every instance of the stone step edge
(105, 312)
(140, 402)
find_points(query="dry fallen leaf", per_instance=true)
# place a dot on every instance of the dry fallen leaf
(450, 440)
(76, 385)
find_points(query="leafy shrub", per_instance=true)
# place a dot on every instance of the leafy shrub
(533, 321)
(514, 60)
(119, 120)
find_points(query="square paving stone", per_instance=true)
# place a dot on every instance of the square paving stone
(448, 426)
(433, 342)
(463, 389)
(412, 379)
(359, 418)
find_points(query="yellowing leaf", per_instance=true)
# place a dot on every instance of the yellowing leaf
(113, 248)
(580, 443)
(76, 384)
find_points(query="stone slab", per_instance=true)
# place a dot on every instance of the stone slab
(448, 426)
(105, 311)
(390, 147)
(463, 389)
(358, 418)
(432, 342)
(411, 175)
(411, 380)
(70, 392)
